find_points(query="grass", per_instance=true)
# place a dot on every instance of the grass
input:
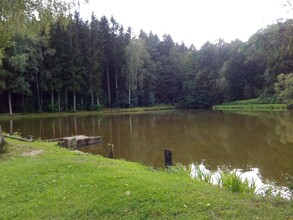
(41, 181)
(251, 107)
(139, 109)
(81, 113)
(233, 182)
(258, 104)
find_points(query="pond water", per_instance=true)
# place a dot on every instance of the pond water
(262, 141)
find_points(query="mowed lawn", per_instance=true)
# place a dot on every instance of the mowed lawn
(42, 181)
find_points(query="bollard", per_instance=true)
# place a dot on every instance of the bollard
(111, 150)
(168, 157)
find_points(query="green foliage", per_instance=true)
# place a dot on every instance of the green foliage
(284, 87)
(54, 108)
(98, 62)
(29, 17)
(260, 100)
(98, 108)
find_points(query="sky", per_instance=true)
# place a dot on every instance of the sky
(191, 21)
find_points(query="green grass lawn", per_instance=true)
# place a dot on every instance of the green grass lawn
(42, 181)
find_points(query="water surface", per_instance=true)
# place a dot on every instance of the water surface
(219, 139)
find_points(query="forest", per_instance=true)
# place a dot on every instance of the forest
(77, 64)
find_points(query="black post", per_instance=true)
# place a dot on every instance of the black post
(111, 150)
(168, 157)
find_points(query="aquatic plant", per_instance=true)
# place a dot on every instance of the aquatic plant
(233, 182)
(239, 182)
(202, 174)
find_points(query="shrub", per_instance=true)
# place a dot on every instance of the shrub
(98, 108)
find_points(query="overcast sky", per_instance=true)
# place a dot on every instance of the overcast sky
(191, 21)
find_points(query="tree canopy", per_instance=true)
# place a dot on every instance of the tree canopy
(81, 64)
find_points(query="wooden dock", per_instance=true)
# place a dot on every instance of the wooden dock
(77, 141)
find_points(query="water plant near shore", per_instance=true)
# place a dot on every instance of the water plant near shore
(237, 181)
(233, 182)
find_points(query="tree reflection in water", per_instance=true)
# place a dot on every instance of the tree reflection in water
(235, 140)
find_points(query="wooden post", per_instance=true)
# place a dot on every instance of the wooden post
(111, 150)
(2, 140)
(168, 153)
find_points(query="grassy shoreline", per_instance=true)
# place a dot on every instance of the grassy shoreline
(251, 107)
(81, 113)
(41, 181)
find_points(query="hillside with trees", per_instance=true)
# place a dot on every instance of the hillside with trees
(72, 64)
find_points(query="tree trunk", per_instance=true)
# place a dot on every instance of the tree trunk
(74, 101)
(2, 102)
(23, 103)
(92, 96)
(52, 98)
(116, 84)
(66, 100)
(129, 98)
(108, 83)
(38, 93)
(81, 102)
(42, 101)
(59, 102)
(11, 127)
(9, 103)
(98, 100)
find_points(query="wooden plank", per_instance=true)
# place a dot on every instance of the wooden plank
(79, 141)
(19, 138)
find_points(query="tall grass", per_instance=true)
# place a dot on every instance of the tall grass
(229, 180)
(233, 182)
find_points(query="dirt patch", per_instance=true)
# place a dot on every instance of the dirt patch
(32, 153)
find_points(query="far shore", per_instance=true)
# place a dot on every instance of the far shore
(84, 112)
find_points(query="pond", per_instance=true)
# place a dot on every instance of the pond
(218, 139)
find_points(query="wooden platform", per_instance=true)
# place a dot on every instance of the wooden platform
(77, 141)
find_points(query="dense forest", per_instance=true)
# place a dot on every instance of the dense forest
(77, 64)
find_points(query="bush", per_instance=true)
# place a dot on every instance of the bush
(98, 108)
(263, 99)
(54, 108)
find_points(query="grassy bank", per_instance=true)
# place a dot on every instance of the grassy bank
(258, 104)
(41, 181)
(81, 113)
(138, 109)
(251, 107)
